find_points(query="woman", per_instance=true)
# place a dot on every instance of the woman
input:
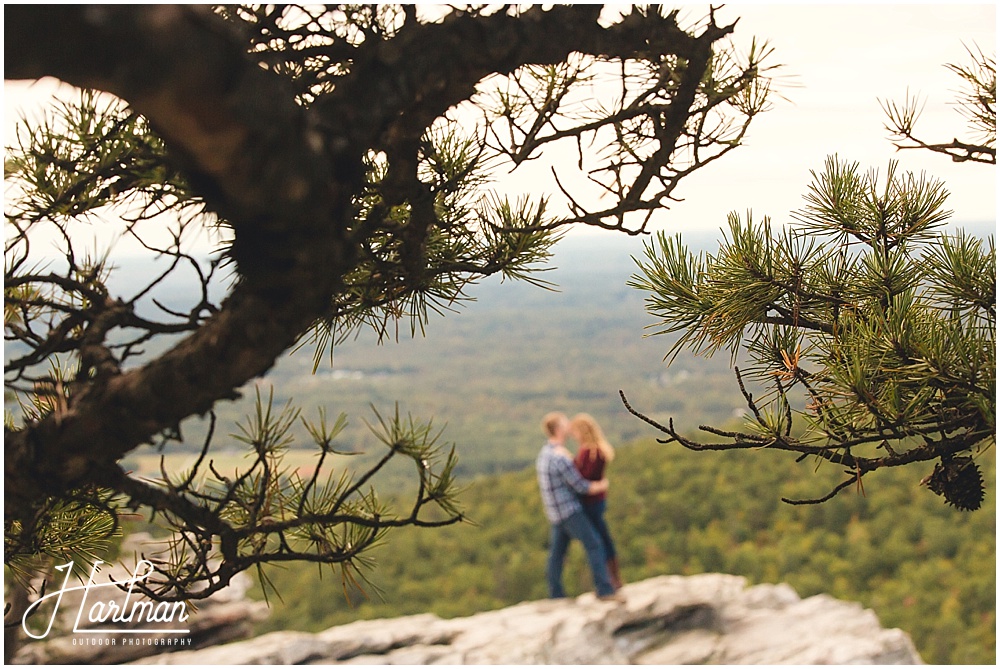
(594, 454)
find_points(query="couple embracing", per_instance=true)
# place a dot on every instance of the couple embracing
(574, 495)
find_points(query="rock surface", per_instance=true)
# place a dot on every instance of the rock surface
(705, 619)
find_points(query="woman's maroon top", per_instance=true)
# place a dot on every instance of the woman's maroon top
(590, 463)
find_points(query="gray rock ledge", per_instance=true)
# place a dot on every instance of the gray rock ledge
(704, 619)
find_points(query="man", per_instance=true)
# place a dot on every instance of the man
(561, 486)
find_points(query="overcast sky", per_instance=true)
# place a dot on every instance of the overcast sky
(839, 61)
(845, 58)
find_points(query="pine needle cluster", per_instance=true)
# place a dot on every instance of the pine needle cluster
(871, 332)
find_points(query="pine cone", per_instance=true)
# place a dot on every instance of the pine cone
(959, 481)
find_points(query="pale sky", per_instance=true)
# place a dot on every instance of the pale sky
(844, 59)
(839, 61)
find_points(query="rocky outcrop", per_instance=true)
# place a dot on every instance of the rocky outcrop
(705, 619)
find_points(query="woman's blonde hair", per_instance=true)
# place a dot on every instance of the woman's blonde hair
(590, 435)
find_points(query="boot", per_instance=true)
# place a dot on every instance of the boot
(616, 577)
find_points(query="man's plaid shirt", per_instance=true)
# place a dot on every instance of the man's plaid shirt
(561, 484)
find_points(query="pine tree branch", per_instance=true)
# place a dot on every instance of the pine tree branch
(959, 152)
(191, 80)
(837, 450)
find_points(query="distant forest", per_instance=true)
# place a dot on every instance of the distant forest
(489, 371)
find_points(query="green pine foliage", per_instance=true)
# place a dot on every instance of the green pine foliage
(860, 318)
(922, 566)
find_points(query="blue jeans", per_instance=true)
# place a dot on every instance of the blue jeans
(595, 512)
(579, 527)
